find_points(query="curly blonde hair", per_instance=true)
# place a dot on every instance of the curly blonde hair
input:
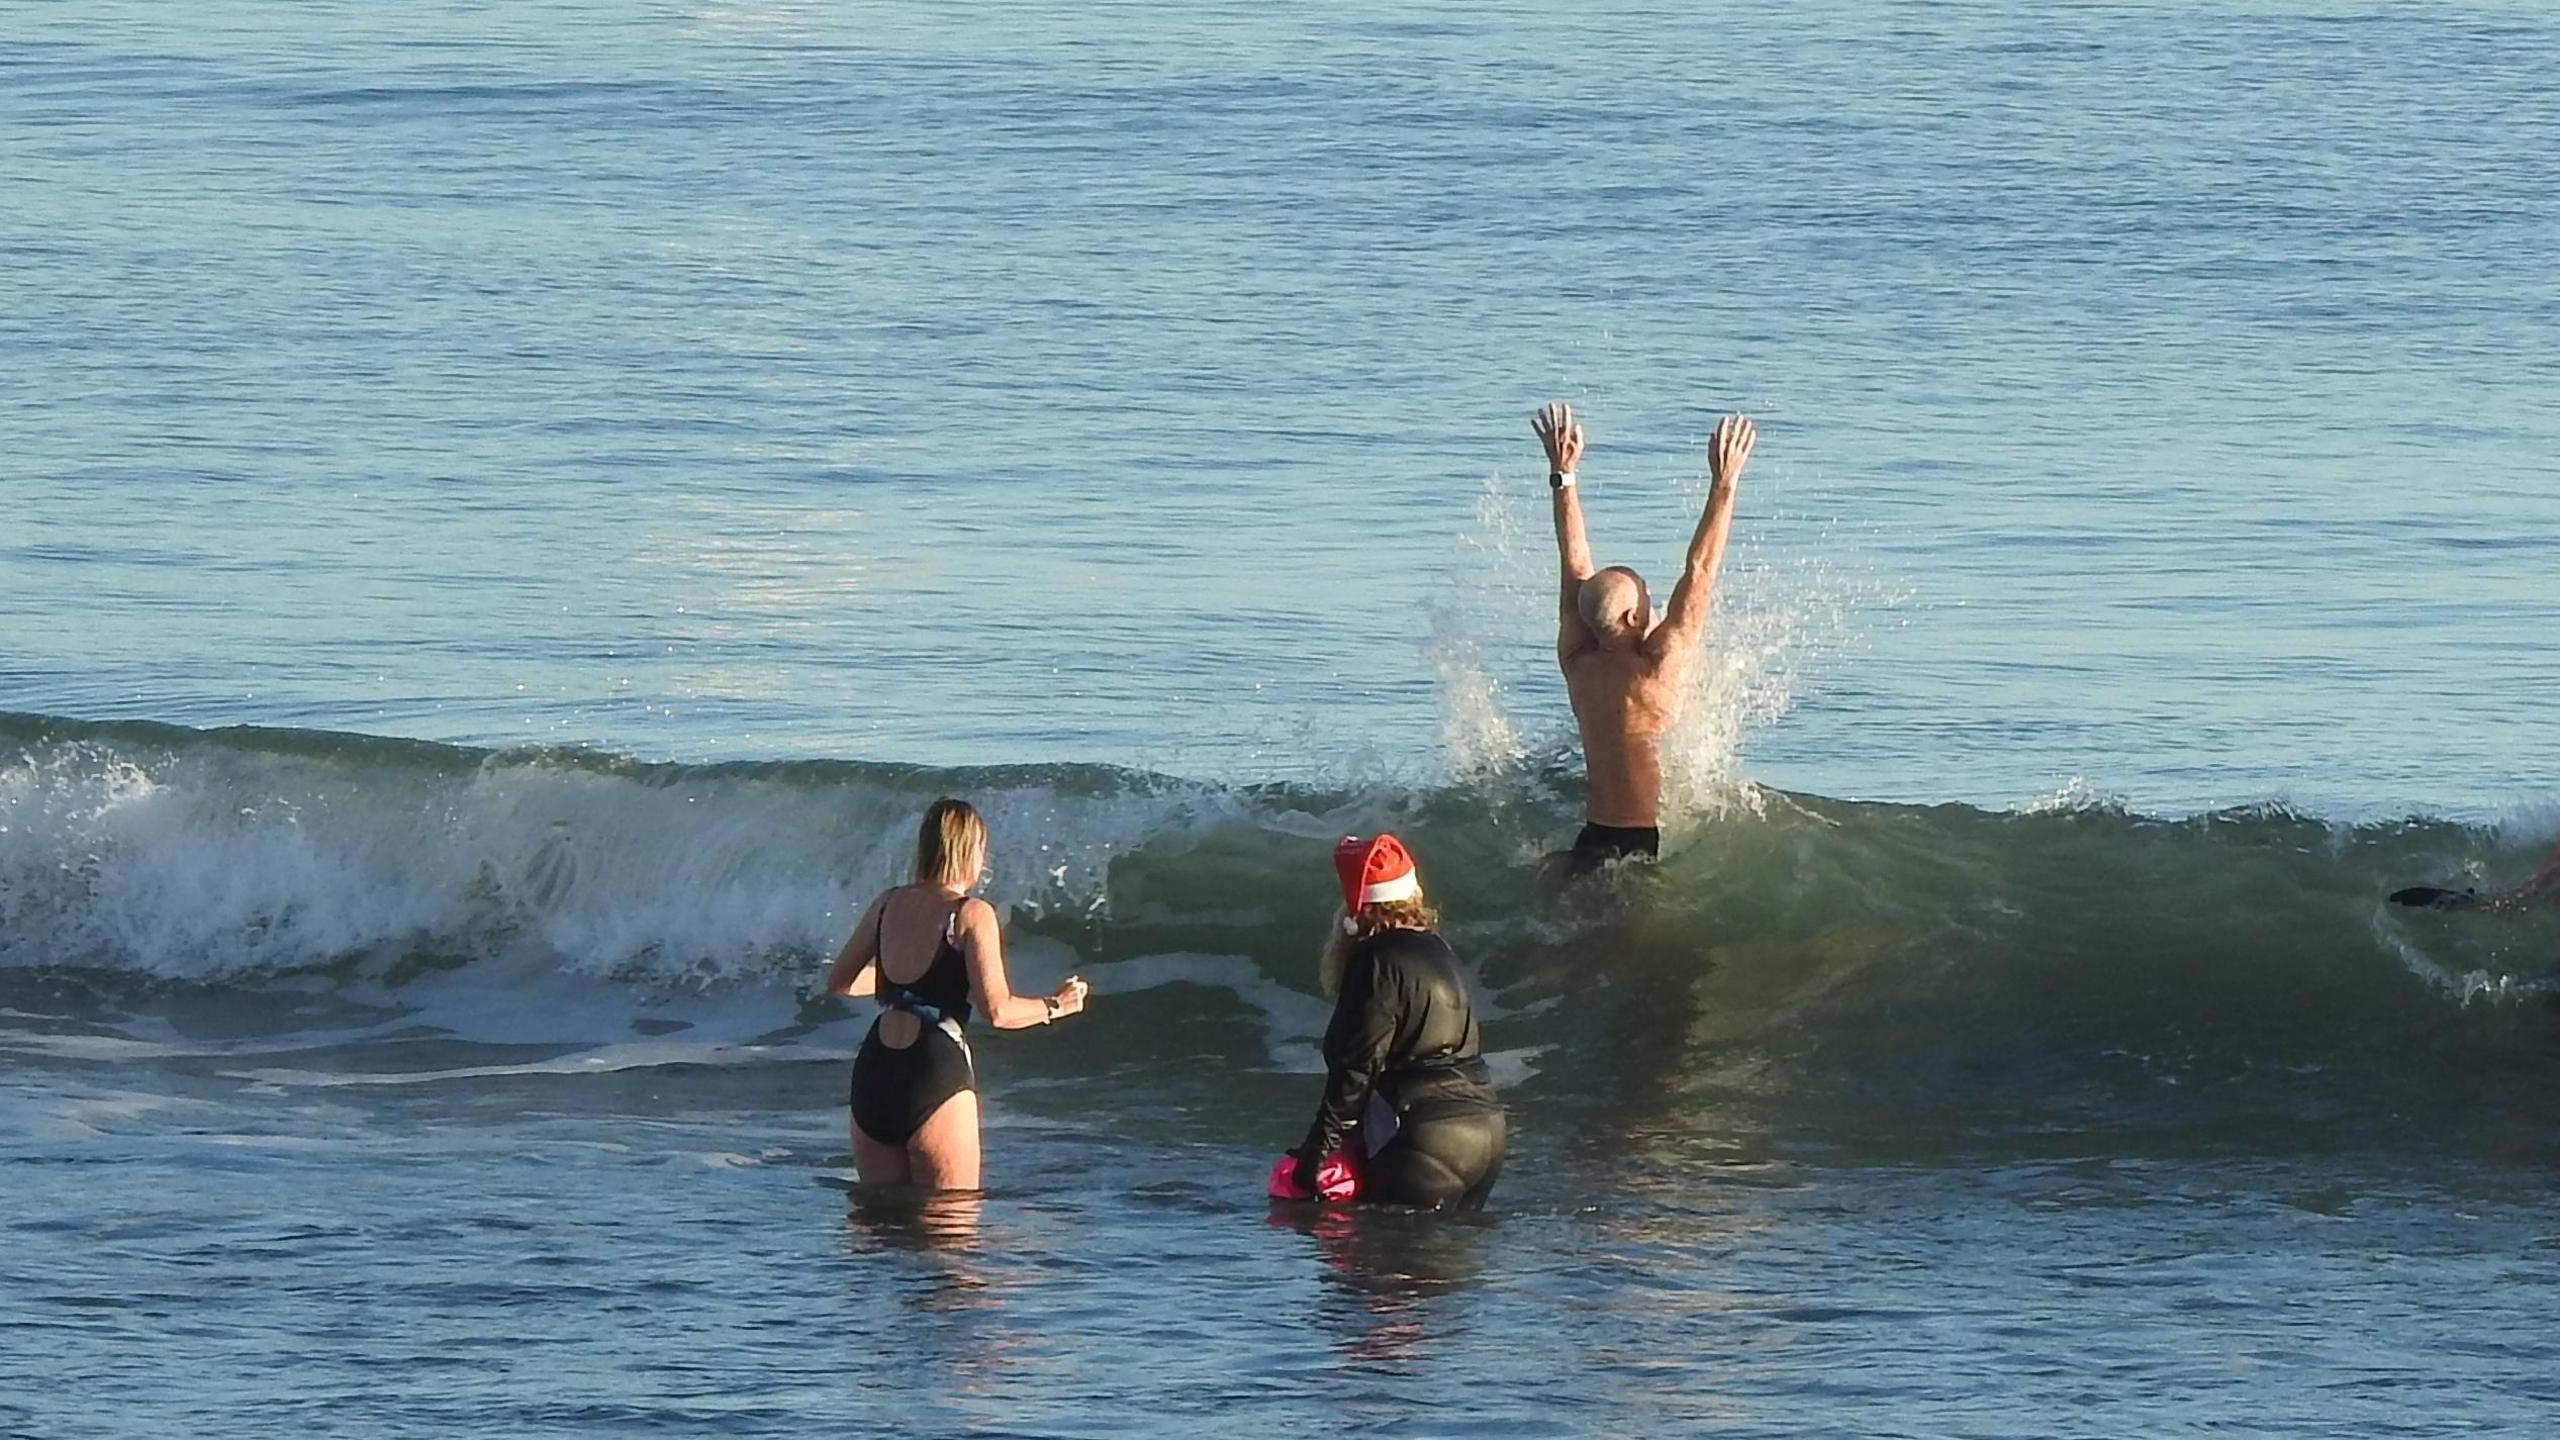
(1350, 930)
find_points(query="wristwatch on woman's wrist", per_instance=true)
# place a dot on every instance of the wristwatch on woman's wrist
(1559, 479)
(1052, 1002)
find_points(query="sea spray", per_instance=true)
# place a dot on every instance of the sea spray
(1771, 629)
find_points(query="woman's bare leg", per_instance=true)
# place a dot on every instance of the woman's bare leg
(944, 1153)
(879, 1164)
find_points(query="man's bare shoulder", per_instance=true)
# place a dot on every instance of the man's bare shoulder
(1593, 667)
(1610, 674)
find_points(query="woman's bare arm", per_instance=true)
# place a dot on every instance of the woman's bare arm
(855, 973)
(983, 946)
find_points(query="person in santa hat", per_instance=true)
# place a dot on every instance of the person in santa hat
(1409, 1116)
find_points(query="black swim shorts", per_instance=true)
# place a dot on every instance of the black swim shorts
(1600, 845)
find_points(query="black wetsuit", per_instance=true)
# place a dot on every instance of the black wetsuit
(1600, 845)
(1403, 1075)
(897, 1088)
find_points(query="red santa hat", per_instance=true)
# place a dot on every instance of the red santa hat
(1374, 872)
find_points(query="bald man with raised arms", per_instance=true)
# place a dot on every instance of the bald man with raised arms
(1625, 670)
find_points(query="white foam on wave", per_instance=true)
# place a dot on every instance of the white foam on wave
(111, 1049)
(211, 859)
(610, 1059)
(97, 1115)
(598, 1020)
(2464, 986)
(595, 1028)
(2531, 823)
(1514, 1067)
(2078, 796)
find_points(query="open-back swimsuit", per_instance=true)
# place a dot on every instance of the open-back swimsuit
(897, 1088)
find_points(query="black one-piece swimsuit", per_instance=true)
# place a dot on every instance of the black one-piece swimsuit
(897, 1088)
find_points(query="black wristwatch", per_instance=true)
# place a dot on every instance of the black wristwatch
(1559, 479)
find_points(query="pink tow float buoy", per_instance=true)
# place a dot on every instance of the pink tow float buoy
(1335, 1179)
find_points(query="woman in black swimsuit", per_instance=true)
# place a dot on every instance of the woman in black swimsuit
(1406, 1092)
(929, 951)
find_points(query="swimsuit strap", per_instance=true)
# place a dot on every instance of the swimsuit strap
(953, 1010)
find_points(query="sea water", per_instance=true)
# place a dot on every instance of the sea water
(507, 513)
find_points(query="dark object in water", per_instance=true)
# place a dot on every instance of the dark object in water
(2429, 897)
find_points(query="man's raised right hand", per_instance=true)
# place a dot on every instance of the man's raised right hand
(1557, 431)
(1730, 450)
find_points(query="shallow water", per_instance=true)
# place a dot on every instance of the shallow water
(1120, 418)
(229, 1262)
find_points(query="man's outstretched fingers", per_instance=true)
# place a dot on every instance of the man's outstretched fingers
(1731, 448)
(1559, 434)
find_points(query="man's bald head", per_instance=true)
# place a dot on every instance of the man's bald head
(1615, 605)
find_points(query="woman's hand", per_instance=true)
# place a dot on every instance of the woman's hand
(1068, 998)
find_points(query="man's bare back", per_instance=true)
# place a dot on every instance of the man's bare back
(1623, 703)
(1625, 671)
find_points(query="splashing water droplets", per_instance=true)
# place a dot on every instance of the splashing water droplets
(1491, 636)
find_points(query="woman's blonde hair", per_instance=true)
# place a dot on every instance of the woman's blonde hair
(1350, 929)
(951, 844)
